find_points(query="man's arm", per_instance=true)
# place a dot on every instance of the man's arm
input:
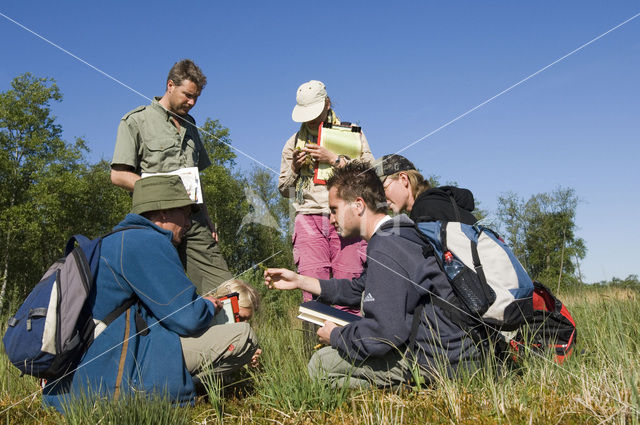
(125, 159)
(123, 176)
(286, 280)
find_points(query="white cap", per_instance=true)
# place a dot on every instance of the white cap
(309, 101)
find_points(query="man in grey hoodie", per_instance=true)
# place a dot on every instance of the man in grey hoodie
(396, 280)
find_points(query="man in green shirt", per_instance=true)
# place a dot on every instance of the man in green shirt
(160, 138)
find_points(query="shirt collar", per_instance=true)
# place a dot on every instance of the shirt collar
(158, 107)
(380, 223)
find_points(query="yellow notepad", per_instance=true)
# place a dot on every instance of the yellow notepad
(341, 140)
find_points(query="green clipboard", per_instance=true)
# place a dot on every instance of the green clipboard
(341, 140)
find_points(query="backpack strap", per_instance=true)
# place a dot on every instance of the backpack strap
(443, 236)
(71, 243)
(82, 240)
(119, 310)
(456, 210)
(417, 314)
(141, 326)
(477, 265)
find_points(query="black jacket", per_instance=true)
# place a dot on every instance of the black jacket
(437, 204)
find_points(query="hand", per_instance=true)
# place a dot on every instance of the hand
(214, 235)
(281, 279)
(320, 153)
(324, 333)
(217, 304)
(255, 359)
(299, 158)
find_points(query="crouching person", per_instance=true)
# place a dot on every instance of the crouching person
(395, 285)
(159, 344)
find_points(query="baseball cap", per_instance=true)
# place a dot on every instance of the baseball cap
(156, 193)
(310, 100)
(391, 164)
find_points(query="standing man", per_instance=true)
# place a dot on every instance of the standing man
(318, 250)
(162, 137)
(397, 283)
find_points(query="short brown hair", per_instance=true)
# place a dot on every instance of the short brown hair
(187, 70)
(358, 179)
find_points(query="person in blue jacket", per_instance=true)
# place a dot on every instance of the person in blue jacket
(178, 342)
(396, 280)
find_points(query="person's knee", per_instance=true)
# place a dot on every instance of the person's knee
(314, 366)
(322, 362)
(245, 336)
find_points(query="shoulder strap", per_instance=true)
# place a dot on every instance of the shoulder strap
(417, 314)
(443, 236)
(477, 265)
(82, 240)
(119, 310)
(71, 243)
(456, 210)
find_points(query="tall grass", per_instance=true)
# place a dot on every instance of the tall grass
(133, 410)
(599, 384)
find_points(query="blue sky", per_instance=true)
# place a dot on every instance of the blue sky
(401, 70)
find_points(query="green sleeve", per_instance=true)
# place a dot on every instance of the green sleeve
(127, 145)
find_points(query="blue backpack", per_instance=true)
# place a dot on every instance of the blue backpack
(54, 326)
(489, 283)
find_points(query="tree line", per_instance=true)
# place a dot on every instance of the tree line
(49, 191)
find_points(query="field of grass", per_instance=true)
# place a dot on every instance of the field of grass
(598, 384)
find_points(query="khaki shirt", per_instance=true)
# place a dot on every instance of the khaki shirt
(149, 142)
(316, 199)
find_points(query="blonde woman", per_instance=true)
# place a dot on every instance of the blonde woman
(248, 298)
(407, 190)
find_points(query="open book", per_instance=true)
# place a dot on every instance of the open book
(316, 312)
(230, 309)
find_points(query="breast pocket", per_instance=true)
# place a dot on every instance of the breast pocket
(162, 154)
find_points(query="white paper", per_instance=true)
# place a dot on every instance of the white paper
(190, 178)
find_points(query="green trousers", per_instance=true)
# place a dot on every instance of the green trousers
(391, 370)
(220, 349)
(201, 257)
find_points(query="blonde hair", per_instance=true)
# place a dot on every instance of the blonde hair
(417, 182)
(248, 296)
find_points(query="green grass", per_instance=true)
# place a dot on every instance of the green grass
(598, 384)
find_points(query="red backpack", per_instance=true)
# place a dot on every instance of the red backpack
(551, 327)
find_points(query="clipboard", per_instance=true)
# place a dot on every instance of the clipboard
(341, 140)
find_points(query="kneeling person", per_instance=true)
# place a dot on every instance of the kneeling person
(396, 280)
(178, 342)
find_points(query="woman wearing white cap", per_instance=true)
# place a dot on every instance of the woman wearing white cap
(318, 249)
